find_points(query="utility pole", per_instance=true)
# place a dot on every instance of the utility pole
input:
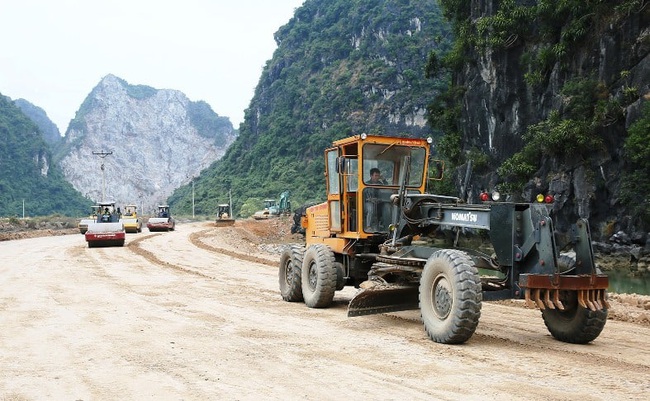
(192, 197)
(103, 155)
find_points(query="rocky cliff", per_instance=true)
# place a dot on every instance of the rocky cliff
(136, 144)
(567, 79)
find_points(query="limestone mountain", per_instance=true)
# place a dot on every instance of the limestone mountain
(136, 144)
(50, 131)
(341, 68)
(541, 96)
(30, 182)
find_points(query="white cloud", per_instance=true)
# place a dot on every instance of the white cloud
(54, 52)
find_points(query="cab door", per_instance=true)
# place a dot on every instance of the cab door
(333, 191)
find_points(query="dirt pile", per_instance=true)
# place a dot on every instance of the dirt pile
(14, 228)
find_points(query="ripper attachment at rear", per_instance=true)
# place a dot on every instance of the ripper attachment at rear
(372, 233)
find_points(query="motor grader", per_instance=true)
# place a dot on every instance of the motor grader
(380, 237)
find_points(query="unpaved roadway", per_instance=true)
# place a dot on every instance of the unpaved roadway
(196, 314)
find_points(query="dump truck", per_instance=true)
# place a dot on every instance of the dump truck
(106, 230)
(92, 217)
(163, 220)
(273, 208)
(131, 220)
(379, 236)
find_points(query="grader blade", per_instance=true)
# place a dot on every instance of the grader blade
(383, 299)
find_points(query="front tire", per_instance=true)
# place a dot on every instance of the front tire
(290, 276)
(450, 297)
(318, 276)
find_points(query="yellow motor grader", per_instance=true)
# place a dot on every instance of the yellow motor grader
(372, 233)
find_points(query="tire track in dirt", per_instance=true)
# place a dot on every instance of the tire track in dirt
(195, 239)
(152, 258)
(499, 334)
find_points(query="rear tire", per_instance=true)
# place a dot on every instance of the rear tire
(450, 297)
(575, 324)
(318, 276)
(290, 276)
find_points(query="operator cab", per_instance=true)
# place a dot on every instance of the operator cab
(163, 211)
(364, 174)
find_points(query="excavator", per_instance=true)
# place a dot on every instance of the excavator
(273, 208)
(382, 237)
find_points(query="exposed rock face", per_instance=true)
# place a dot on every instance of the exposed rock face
(158, 140)
(499, 105)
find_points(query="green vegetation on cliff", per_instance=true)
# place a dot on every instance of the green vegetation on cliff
(27, 173)
(342, 67)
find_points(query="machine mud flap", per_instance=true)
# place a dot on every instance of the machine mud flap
(383, 298)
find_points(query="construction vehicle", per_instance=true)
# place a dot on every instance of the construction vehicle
(106, 230)
(273, 208)
(131, 220)
(378, 238)
(163, 220)
(224, 213)
(92, 217)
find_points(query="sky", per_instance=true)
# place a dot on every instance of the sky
(53, 53)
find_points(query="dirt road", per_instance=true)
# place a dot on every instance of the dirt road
(196, 314)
